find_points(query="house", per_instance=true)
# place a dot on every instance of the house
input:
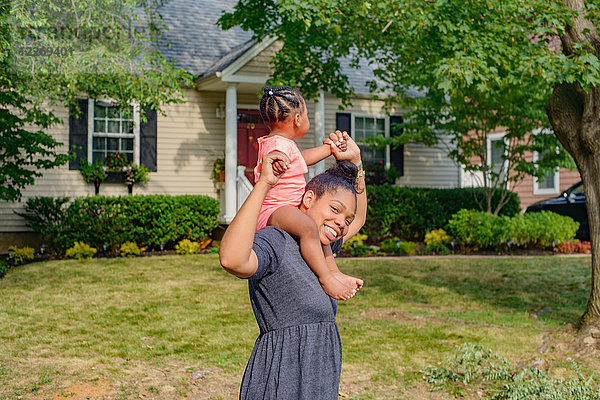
(219, 119)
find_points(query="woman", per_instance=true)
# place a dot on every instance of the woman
(298, 353)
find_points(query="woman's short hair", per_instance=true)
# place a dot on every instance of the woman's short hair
(340, 176)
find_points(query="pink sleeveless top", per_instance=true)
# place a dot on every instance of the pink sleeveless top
(289, 189)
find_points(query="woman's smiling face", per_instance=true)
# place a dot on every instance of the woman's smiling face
(332, 213)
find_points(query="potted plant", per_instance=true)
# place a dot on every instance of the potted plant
(95, 173)
(218, 173)
(133, 174)
(116, 163)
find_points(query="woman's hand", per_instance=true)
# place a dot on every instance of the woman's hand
(352, 152)
(273, 166)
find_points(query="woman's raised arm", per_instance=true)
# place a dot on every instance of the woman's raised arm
(235, 253)
(352, 154)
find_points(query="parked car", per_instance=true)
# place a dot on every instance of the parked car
(571, 202)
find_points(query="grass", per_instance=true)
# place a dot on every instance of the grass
(124, 328)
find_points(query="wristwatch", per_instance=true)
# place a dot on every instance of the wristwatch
(361, 171)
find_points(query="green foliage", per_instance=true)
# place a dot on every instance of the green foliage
(130, 249)
(358, 239)
(472, 77)
(90, 53)
(408, 213)
(115, 161)
(47, 216)
(218, 168)
(436, 237)
(186, 246)
(390, 245)
(436, 248)
(24, 153)
(479, 369)
(81, 251)
(95, 173)
(542, 229)
(407, 248)
(213, 250)
(396, 246)
(360, 250)
(145, 220)
(478, 230)
(134, 173)
(22, 254)
(3, 269)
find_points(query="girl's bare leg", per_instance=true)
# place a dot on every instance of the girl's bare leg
(347, 280)
(299, 225)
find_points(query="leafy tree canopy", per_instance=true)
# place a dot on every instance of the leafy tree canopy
(56, 51)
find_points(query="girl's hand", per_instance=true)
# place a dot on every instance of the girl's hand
(352, 152)
(273, 166)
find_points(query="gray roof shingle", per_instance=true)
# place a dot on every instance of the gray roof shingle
(197, 42)
(202, 48)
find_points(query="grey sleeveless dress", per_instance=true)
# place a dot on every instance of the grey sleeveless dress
(298, 354)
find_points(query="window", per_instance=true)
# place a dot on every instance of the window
(366, 127)
(112, 130)
(549, 184)
(496, 149)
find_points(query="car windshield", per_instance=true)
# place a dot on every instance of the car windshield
(577, 190)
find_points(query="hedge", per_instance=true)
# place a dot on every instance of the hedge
(409, 213)
(146, 220)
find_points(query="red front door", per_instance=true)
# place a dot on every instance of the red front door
(250, 128)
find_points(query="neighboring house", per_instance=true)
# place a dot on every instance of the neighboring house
(529, 189)
(219, 119)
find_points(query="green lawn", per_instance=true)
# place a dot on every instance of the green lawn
(131, 328)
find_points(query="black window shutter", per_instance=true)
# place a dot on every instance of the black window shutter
(148, 141)
(343, 122)
(397, 154)
(78, 133)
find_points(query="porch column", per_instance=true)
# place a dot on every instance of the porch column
(319, 128)
(230, 153)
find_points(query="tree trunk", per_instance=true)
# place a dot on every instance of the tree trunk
(575, 118)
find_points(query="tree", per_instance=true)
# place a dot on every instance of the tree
(56, 51)
(477, 64)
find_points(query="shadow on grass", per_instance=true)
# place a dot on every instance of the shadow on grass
(505, 284)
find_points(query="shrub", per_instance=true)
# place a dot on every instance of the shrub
(479, 230)
(476, 369)
(542, 229)
(3, 269)
(436, 237)
(407, 248)
(47, 216)
(130, 249)
(186, 246)
(408, 213)
(361, 250)
(436, 248)
(22, 254)
(390, 245)
(574, 247)
(213, 250)
(144, 219)
(359, 239)
(81, 251)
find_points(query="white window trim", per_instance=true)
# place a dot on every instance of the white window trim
(536, 189)
(495, 137)
(386, 118)
(136, 131)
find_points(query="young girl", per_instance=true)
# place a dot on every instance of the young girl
(284, 111)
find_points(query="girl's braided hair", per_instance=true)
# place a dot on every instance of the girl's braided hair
(279, 102)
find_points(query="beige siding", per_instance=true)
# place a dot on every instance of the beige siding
(259, 65)
(423, 166)
(190, 137)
